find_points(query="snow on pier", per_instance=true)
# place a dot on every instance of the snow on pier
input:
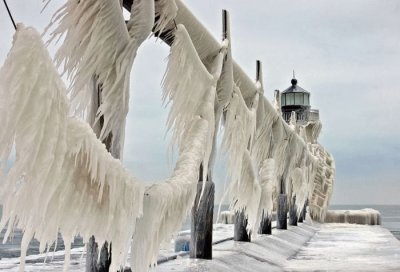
(321, 247)
(348, 247)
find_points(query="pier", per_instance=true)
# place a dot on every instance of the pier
(307, 247)
(68, 178)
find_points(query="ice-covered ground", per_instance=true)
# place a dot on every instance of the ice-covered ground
(327, 247)
(348, 247)
(54, 262)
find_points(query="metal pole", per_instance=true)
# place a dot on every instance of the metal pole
(9, 14)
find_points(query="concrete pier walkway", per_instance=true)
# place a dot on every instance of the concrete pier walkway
(348, 247)
(326, 247)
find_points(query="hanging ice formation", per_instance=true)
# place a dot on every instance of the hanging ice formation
(240, 126)
(63, 179)
(186, 72)
(167, 204)
(268, 188)
(265, 162)
(190, 89)
(99, 46)
(323, 183)
(165, 12)
(62, 166)
(279, 133)
(67, 148)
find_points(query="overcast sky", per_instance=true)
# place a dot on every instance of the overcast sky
(345, 52)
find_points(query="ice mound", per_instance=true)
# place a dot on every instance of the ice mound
(363, 217)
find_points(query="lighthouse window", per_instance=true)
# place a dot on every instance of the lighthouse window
(306, 99)
(290, 99)
(283, 100)
(298, 99)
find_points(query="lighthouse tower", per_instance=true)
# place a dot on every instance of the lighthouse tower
(296, 99)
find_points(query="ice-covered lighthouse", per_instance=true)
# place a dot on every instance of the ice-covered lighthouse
(297, 99)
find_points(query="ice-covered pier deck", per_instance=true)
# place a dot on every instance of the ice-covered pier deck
(326, 247)
(308, 247)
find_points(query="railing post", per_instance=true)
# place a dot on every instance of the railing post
(266, 219)
(240, 232)
(240, 221)
(93, 263)
(303, 213)
(301, 216)
(281, 212)
(92, 253)
(293, 212)
(265, 224)
(202, 222)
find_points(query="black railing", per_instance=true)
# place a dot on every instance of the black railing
(312, 115)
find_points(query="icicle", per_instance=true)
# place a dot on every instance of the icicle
(67, 259)
(167, 204)
(246, 194)
(263, 140)
(299, 188)
(54, 183)
(191, 89)
(166, 11)
(324, 176)
(277, 101)
(240, 126)
(293, 121)
(141, 21)
(97, 43)
(268, 189)
(239, 130)
(280, 142)
(186, 85)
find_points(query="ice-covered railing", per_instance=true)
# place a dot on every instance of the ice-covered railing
(64, 180)
(285, 141)
(273, 157)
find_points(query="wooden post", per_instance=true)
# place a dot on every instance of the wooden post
(293, 212)
(93, 263)
(202, 222)
(92, 252)
(265, 224)
(301, 218)
(203, 209)
(281, 213)
(266, 220)
(303, 213)
(240, 232)
(105, 258)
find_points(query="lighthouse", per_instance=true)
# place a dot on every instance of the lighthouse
(296, 99)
